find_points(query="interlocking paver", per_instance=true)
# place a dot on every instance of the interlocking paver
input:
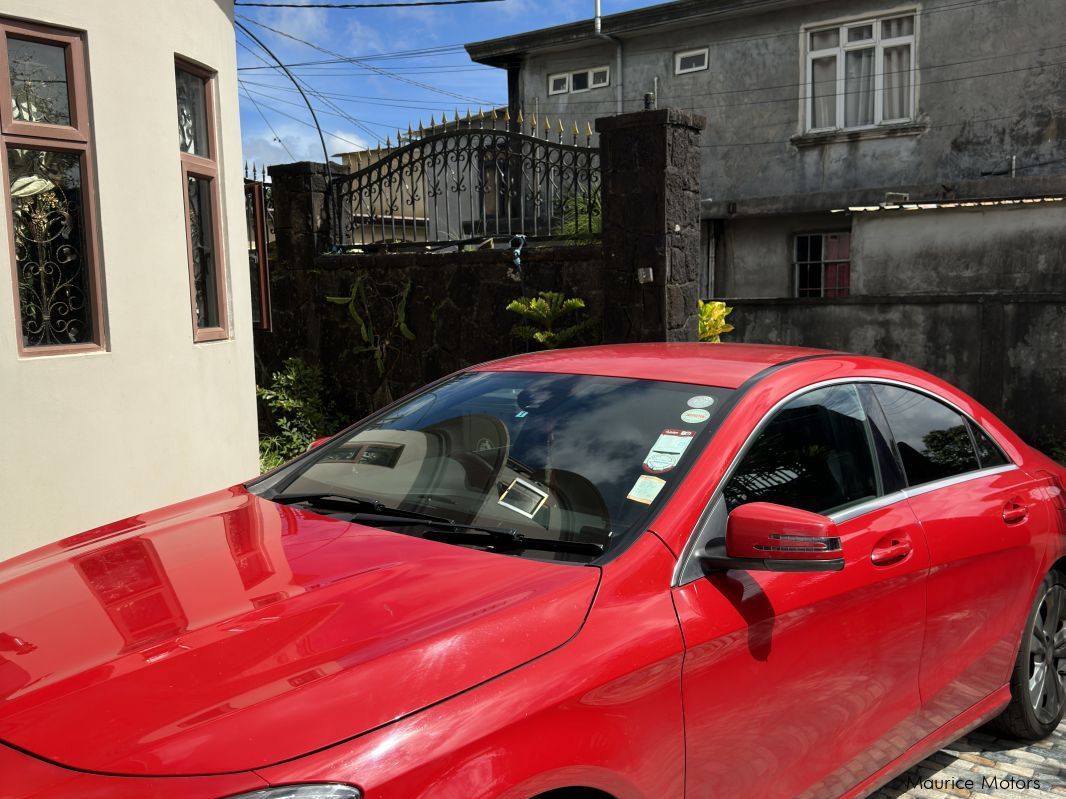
(996, 768)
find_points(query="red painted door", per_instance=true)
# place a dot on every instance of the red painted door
(981, 516)
(983, 560)
(803, 684)
(800, 685)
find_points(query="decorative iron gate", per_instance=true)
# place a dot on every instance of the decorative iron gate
(473, 182)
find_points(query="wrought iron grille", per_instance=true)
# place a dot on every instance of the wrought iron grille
(473, 182)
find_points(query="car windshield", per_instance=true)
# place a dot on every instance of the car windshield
(566, 465)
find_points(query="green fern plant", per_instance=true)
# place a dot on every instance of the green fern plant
(545, 314)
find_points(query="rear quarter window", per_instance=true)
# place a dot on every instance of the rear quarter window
(933, 440)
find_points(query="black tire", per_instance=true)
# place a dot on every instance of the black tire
(1038, 682)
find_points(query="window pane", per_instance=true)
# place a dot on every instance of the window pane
(933, 440)
(38, 82)
(859, 88)
(838, 247)
(203, 252)
(579, 81)
(897, 82)
(987, 449)
(815, 454)
(894, 28)
(692, 62)
(862, 33)
(52, 266)
(558, 84)
(599, 77)
(824, 40)
(824, 92)
(192, 114)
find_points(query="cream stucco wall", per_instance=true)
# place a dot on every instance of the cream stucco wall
(89, 438)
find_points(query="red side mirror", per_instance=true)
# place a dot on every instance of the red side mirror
(764, 537)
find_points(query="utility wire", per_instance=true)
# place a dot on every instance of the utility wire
(305, 123)
(379, 70)
(277, 138)
(367, 5)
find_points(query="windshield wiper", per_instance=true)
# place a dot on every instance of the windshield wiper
(454, 532)
(369, 508)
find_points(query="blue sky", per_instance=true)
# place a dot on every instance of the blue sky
(368, 105)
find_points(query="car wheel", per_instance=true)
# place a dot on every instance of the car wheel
(1038, 697)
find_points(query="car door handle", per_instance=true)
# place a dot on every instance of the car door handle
(891, 549)
(1015, 513)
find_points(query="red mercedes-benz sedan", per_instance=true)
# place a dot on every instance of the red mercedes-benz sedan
(629, 572)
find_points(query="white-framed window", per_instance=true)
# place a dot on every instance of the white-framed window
(582, 80)
(860, 74)
(691, 61)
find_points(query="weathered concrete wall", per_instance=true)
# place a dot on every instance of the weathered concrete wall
(982, 97)
(1008, 351)
(757, 252)
(1014, 249)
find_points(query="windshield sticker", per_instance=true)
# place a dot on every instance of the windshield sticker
(695, 416)
(523, 497)
(667, 450)
(646, 489)
(701, 401)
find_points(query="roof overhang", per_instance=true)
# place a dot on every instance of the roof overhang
(508, 51)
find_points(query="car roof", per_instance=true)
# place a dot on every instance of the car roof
(723, 365)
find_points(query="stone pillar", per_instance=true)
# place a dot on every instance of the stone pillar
(301, 230)
(651, 224)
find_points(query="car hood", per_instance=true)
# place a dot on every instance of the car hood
(229, 633)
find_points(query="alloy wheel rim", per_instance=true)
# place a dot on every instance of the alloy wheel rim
(1047, 656)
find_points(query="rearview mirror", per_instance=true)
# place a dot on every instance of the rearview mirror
(764, 537)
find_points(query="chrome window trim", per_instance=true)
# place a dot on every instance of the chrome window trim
(855, 511)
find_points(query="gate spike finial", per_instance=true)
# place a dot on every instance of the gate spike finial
(577, 131)
(521, 119)
(246, 170)
(432, 122)
(388, 143)
(588, 136)
(533, 127)
(410, 133)
(562, 130)
(421, 130)
(547, 126)
(254, 174)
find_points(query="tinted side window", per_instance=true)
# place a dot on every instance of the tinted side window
(987, 449)
(815, 454)
(933, 440)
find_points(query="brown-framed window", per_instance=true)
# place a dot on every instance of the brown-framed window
(46, 158)
(822, 264)
(197, 144)
(255, 214)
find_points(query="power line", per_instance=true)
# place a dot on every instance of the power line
(803, 84)
(379, 70)
(277, 138)
(444, 49)
(305, 123)
(927, 127)
(367, 5)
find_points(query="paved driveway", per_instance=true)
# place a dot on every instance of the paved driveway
(994, 767)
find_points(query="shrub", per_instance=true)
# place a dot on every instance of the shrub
(712, 321)
(545, 312)
(296, 412)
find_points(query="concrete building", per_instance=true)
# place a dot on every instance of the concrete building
(126, 369)
(834, 129)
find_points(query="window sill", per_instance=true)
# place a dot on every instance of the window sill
(858, 134)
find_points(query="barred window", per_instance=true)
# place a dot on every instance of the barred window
(47, 158)
(822, 265)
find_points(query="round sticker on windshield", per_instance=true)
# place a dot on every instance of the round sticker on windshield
(695, 416)
(701, 401)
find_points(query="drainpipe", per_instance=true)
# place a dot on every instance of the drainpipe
(598, 27)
